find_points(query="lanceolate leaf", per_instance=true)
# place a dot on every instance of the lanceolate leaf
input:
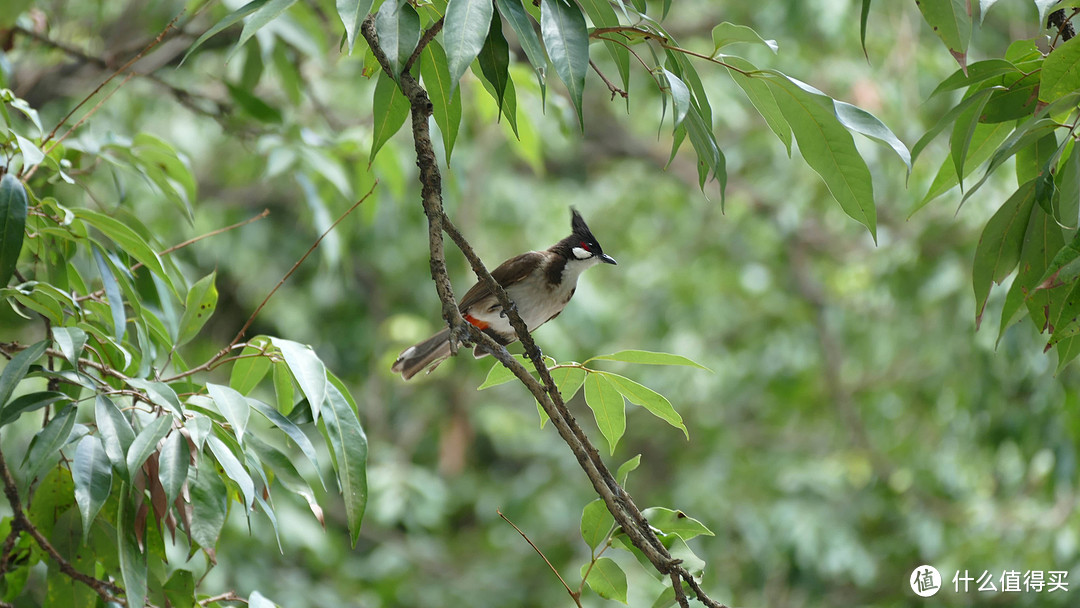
(951, 22)
(829, 149)
(200, 304)
(307, 369)
(146, 443)
(759, 94)
(646, 357)
(209, 505)
(1060, 71)
(126, 238)
(112, 295)
(999, 246)
(251, 367)
(233, 405)
(567, 39)
(173, 465)
(445, 98)
(294, 432)
(389, 109)
(262, 16)
(133, 565)
(115, 432)
(602, 14)
(352, 13)
(71, 341)
(466, 25)
(233, 468)
(15, 369)
(218, 27)
(13, 205)
(92, 473)
(730, 33)
(680, 96)
(349, 443)
(608, 408)
(649, 399)
(47, 442)
(519, 21)
(863, 16)
(398, 26)
(494, 59)
(606, 578)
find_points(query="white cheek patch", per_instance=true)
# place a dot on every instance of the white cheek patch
(581, 253)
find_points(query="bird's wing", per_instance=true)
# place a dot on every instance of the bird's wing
(509, 272)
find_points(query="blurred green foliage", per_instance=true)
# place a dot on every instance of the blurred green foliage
(854, 426)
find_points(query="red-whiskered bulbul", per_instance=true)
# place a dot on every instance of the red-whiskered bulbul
(540, 283)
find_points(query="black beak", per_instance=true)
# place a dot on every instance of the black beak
(607, 259)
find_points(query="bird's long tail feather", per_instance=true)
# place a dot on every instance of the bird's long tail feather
(427, 354)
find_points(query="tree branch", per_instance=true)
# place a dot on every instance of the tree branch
(108, 591)
(617, 501)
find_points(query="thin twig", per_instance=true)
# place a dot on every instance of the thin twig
(573, 594)
(680, 595)
(208, 365)
(228, 596)
(610, 85)
(426, 39)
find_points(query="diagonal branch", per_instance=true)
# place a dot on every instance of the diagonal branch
(615, 498)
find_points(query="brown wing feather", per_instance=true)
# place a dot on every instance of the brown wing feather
(509, 272)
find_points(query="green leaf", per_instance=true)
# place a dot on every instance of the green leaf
(352, 13)
(607, 406)
(71, 341)
(861, 121)
(209, 505)
(284, 391)
(500, 374)
(220, 26)
(999, 247)
(254, 106)
(596, 523)
(15, 369)
(645, 357)
(567, 39)
(950, 21)
(863, 17)
(233, 468)
(519, 21)
(398, 26)
(1067, 201)
(606, 578)
(675, 522)
(307, 369)
(146, 443)
(92, 474)
(680, 96)
(251, 367)
(730, 33)
(13, 205)
(1042, 240)
(1060, 71)
(602, 14)
(160, 394)
(445, 99)
(759, 94)
(949, 118)
(494, 59)
(199, 306)
(349, 443)
(648, 399)
(711, 162)
(626, 468)
(115, 432)
(465, 27)
(260, 18)
(829, 150)
(289, 428)
(509, 104)
(47, 442)
(173, 463)
(28, 403)
(983, 144)
(126, 238)
(112, 295)
(389, 109)
(133, 564)
(233, 406)
(977, 72)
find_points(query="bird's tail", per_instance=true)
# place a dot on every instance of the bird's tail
(429, 353)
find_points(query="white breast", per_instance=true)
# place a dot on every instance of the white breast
(536, 300)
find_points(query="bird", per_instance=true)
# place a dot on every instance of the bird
(539, 283)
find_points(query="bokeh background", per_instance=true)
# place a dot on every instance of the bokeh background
(854, 425)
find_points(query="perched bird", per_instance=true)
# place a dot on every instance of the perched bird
(540, 283)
